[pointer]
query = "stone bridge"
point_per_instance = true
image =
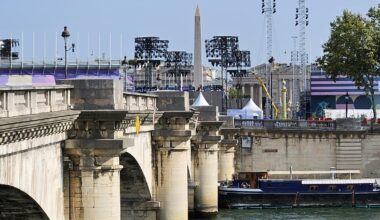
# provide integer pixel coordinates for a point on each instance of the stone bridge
(84, 150)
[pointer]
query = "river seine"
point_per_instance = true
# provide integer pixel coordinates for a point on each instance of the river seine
(301, 213)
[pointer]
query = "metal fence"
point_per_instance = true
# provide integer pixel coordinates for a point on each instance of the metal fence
(284, 124)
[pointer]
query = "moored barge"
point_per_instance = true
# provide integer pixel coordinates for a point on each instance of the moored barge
(261, 192)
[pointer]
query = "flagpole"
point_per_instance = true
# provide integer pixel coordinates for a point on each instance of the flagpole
(56, 50)
(33, 49)
(44, 47)
(22, 50)
(110, 49)
(77, 46)
(88, 46)
(121, 45)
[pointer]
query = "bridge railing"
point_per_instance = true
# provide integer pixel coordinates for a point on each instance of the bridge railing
(139, 101)
(15, 101)
(284, 124)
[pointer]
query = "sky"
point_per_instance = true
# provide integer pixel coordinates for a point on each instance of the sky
(108, 28)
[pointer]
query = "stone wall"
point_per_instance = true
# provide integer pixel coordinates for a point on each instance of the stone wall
(371, 156)
(172, 100)
(35, 167)
(139, 102)
(278, 150)
(92, 94)
(207, 113)
(213, 98)
(278, 153)
(26, 100)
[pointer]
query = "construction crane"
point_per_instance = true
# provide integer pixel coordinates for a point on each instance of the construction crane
(262, 83)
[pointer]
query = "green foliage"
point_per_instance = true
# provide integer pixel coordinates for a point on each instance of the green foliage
(353, 49)
(313, 114)
(132, 62)
(232, 93)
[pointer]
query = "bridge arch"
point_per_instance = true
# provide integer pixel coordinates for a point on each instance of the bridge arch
(133, 184)
(134, 189)
(16, 204)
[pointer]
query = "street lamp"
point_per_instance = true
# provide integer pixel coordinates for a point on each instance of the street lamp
(269, 102)
(124, 64)
(66, 35)
(346, 98)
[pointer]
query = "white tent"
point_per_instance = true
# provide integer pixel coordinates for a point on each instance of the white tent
(252, 106)
(200, 101)
(249, 111)
(252, 110)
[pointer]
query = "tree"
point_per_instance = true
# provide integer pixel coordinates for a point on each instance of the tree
(353, 50)
(233, 93)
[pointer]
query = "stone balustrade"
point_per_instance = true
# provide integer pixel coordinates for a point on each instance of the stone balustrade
(139, 102)
(285, 124)
(25, 100)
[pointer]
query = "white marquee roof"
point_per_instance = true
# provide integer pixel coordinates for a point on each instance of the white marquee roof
(200, 101)
(251, 106)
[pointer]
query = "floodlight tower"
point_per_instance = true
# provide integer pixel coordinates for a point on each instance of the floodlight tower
(219, 50)
(268, 7)
(302, 21)
(294, 60)
(240, 59)
(180, 61)
(149, 51)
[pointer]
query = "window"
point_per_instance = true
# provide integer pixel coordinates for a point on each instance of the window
(270, 151)
(246, 142)
(313, 188)
(350, 187)
(332, 188)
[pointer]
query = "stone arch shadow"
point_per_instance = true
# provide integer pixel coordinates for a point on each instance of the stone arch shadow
(134, 190)
(16, 204)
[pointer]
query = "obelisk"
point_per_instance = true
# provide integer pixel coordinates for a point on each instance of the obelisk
(198, 76)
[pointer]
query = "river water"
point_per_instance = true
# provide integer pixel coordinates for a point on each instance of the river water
(301, 213)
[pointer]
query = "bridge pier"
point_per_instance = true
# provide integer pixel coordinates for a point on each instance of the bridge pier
(227, 148)
(226, 159)
(205, 162)
(205, 168)
(93, 190)
(172, 142)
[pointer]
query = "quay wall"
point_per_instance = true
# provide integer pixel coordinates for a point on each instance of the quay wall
(278, 153)
(371, 155)
(304, 151)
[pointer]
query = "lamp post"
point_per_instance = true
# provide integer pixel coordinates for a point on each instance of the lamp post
(66, 35)
(269, 102)
(346, 98)
(124, 64)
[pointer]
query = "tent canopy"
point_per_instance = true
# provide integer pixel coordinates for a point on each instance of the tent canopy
(251, 106)
(200, 101)
(249, 111)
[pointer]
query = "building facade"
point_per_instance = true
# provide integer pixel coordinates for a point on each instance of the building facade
(329, 94)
